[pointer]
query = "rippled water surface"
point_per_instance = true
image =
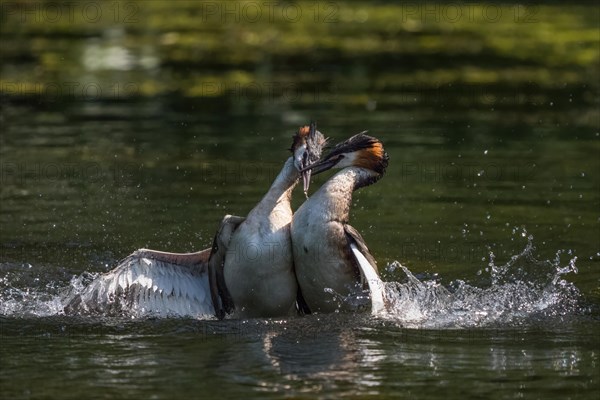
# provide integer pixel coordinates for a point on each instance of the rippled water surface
(486, 226)
(335, 356)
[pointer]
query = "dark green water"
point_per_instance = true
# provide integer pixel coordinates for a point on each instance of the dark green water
(493, 135)
(328, 357)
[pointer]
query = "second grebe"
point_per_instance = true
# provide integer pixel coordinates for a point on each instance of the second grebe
(333, 265)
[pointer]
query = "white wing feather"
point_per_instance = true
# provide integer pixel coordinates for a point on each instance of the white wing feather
(376, 285)
(145, 287)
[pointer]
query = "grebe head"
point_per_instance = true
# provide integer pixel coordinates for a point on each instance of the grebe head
(306, 148)
(360, 150)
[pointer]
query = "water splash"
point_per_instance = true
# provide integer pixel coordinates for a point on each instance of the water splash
(520, 291)
(29, 297)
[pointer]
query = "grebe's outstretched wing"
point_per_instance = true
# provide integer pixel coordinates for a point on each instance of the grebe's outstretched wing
(142, 285)
(156, 283)
(368, 268)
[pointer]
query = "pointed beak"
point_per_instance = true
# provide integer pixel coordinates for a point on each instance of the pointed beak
(306, 179)
(320, 166)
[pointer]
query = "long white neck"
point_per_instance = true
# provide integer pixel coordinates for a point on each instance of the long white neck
(279, 194)
(334, 199)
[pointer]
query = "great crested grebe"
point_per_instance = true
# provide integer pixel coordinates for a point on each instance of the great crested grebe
(259, 270)
(332, 261)
(249, 266)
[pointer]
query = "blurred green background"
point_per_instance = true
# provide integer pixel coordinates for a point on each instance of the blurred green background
(342, 54)
(130, 124)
